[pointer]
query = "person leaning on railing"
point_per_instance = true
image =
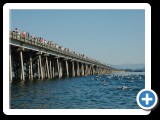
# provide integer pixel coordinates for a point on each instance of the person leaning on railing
(41, 41)
(32, 38)
(44, 41)
(49, 43)
(18, 35)
(15, 30)
(23, 34)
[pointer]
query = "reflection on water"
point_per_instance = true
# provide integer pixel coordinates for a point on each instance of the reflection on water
(110, 91)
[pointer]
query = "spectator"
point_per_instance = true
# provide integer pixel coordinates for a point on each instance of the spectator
(49, 42)
(41, 40)
(27, 34)
(16, 30)
(18, 34)
(32, 36)
(23, 34)
(45, 41)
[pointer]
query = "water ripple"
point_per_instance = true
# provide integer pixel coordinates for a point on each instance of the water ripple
(109, 91)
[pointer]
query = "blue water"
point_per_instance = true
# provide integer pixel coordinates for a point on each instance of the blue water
(110, 91)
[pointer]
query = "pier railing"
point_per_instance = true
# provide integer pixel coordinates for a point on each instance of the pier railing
(36, 41)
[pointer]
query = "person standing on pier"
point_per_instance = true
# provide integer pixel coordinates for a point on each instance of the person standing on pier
(23, 34)
(16, 30)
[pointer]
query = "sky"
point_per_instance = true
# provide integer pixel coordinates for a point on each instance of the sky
(111, 36)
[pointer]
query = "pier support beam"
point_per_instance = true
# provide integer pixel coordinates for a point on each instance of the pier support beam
(89, 70)
(78, 74)
(96, 70)
(92, 70)
(82, 70)
(44, 69)
(47, 68)
(58, 67)
(53, 69)
(105, 71)
(40, 64)
(73, 70)
(67, 73)
(86, 69)
(22, 67)
(10, 65)
(50, 66)
(100, 71)
(31, 69)
(38, 68)
(29, 72)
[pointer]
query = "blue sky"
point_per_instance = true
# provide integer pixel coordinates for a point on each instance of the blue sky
(111, 36)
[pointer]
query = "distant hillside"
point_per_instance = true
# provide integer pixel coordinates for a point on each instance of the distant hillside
(131, 67)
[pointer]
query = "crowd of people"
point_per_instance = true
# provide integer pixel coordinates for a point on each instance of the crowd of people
(51, 43)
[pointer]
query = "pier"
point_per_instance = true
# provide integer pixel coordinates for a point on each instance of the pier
(29, 58)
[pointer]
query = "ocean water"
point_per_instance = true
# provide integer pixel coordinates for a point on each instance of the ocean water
(108, 91)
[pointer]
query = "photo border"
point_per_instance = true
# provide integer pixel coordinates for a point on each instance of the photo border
(96, 6)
